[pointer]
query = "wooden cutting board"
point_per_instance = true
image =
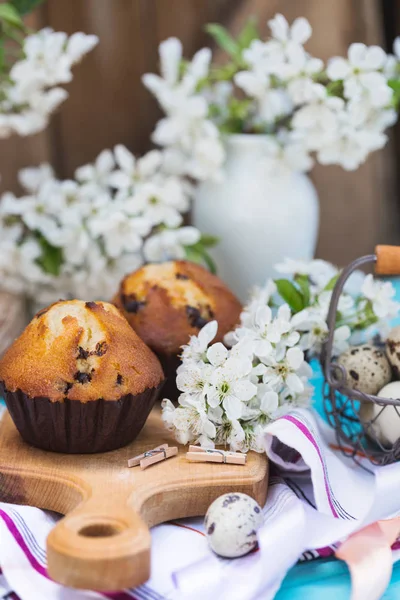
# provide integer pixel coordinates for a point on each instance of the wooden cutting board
(103, 542)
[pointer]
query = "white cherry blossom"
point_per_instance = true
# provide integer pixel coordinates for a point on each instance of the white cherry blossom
(119, 233)
(170, 244)
(96, 176)
(32, 178)
(196, 349)
(193, 379)
(228, 386)
(282, 158)
(285, 372)
(298, 33)
(131, 170)
(381, 294)
(319, 271)
(362, 74)
(30, 93)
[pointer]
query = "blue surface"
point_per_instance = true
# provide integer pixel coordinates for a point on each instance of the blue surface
(328, 579)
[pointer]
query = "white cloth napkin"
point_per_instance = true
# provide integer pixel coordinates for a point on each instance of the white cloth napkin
(316, 498)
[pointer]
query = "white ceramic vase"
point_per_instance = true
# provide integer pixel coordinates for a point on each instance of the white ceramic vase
(260, 219)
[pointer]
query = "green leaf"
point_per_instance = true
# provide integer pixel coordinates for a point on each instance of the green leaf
(52, 257)
(395, 85)
(238, 115)
(231, 126)
(239, 109)
(212, 267)
(304, 285)
(9, 14)
(224, 40)
(248, 34)
(331, 283)
(197, 254)
(209, 241)
(335, 88)
(224, 72)
(290, 294)
(23, 7)
(194, 254)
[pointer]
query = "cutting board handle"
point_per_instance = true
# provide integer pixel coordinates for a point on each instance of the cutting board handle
(93, 546)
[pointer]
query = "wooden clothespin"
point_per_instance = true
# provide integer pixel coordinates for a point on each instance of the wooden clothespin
(150, 457)
(198, 454)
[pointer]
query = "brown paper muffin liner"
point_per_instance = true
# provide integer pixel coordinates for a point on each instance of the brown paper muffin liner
(75, 427)
(169, 363)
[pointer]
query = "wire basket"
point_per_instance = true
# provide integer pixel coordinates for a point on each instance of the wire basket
(355, 437)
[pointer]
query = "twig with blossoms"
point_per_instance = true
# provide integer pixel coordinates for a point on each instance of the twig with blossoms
(335, 113)
(77, 238)
(32, 68)
(229, 393)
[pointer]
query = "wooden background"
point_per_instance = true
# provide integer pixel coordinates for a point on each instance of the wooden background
(109, 105)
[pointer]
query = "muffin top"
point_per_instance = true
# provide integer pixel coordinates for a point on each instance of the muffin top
(81, 351)
(167, 303)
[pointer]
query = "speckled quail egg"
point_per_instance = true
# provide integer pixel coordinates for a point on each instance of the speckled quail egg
(386, 420)
(393, 350)
(367, 368)
(231, 524)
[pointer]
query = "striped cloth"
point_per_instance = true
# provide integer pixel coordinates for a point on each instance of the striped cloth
(175, 547)
(316, 498)
(23, 532)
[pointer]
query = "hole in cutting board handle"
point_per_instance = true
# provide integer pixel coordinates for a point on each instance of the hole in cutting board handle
(99, 530)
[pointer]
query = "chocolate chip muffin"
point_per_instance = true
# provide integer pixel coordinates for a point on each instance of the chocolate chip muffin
(79, 379)
(167, 303)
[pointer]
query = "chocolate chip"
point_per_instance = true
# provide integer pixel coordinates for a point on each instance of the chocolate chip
(181, 276)
(211, 529)
(194, 317)
(82, 377)
(130, 303)
(101, 348)
(354, 375)
(119, 379)
(68, 386)
(90, 304)
(82, 353)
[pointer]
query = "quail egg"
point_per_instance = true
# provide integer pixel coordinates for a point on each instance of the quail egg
(231, 524)
(367, 368)
(393, 350)
(385, 424)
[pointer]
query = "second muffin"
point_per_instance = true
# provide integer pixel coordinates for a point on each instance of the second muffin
(167, 303)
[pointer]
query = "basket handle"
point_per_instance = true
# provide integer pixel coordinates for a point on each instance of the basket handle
(387, 260)
(327, 348)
